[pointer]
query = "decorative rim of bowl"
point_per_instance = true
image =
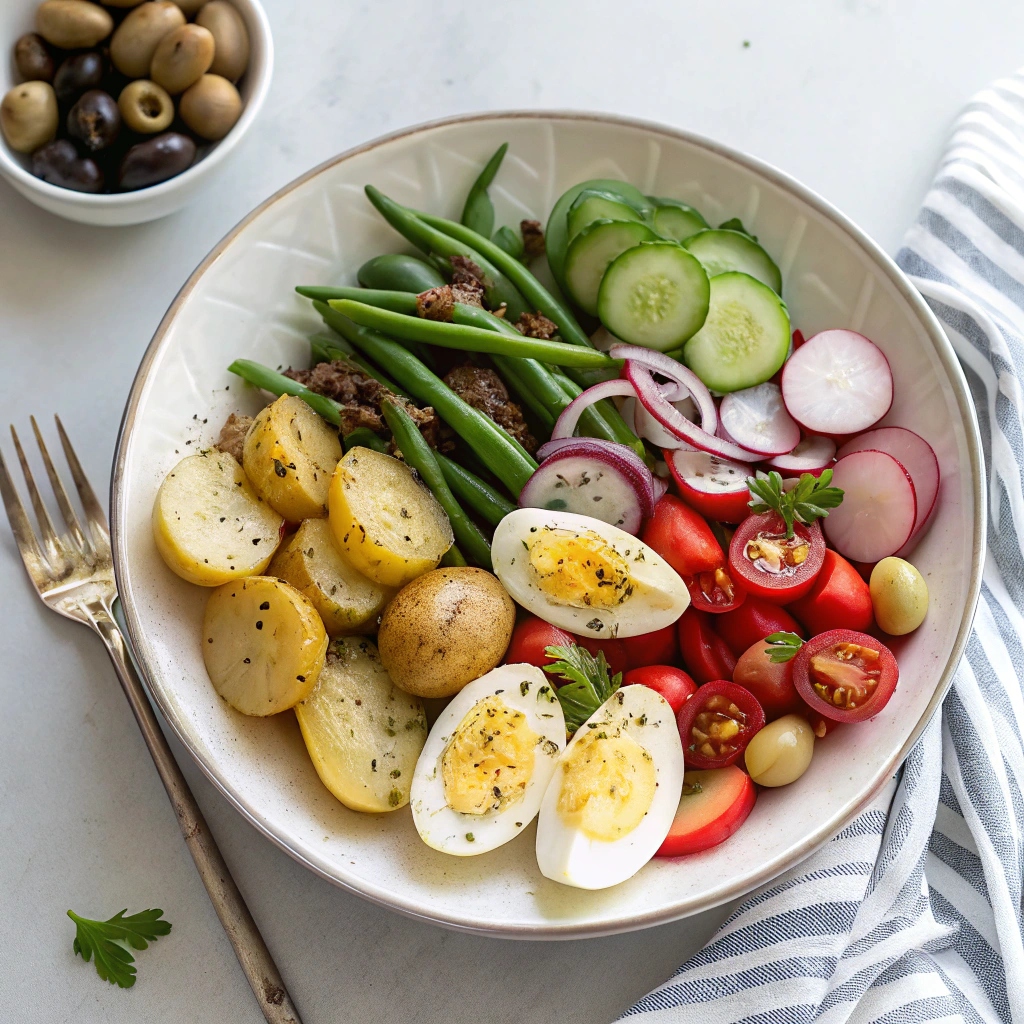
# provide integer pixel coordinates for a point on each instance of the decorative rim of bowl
(221, 149)
(826, 830)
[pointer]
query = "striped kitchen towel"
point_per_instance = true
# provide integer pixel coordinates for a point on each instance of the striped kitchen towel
(915, 915)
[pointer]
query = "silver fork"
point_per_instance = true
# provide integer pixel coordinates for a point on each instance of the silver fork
(74, 575)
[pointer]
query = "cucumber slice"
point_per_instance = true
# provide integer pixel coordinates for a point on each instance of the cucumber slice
(592, 250)
(675, 219)
(556, 235)
(722, 251)
(591, 205)
(655, 294)
(745, 338)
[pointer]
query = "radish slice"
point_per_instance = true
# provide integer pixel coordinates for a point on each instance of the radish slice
(879, 507)
(837, 383)
(715, 487)
(756, 419)
(588, 480)
(811, 455)
(918, 458)
(653, 400)
(569, 417)
(678, 374)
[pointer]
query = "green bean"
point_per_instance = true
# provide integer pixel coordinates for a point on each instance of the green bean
(499, 452)
(478, 213)
(505, 238)
(498, 288)
(479, 495)
(364, 437)
(398, 302)
(400, 272)
(453, 558)
(417, 453)
(470, 339)
(278, 384)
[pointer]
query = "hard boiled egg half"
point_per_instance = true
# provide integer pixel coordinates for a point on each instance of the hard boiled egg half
(614, 792)
(485, 766)
(584, 575)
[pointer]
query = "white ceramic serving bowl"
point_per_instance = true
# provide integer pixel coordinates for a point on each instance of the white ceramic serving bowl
(119, 208)
(318, 230)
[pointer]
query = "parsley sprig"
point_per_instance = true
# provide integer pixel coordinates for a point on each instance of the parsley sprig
(590, 683)
(108, 942)
(809, 500)
(783, 646)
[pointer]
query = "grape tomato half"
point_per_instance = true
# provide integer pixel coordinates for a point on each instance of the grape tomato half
(767, 564)
(716, 724)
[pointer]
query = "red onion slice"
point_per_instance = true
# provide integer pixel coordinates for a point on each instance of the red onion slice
(651, 398)
(569, 418)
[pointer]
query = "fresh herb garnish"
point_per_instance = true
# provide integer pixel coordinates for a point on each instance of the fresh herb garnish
(809, 500)
(108, 941)
(784, 646)
(590, 683)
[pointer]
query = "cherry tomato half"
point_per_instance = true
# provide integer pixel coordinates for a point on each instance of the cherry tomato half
(712, 807)
(714, 591)
(771, 682)
(658, 648)
(704, 653)
(683, 538)
(529, 639)
(767, 565)
(838, 598)
(672, 683)
(614, 651)
(845, 675)
(717, 723)
(752, 621)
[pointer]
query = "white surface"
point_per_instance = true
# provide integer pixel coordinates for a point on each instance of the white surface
(320, 231)
(169, 196)
(852, 97)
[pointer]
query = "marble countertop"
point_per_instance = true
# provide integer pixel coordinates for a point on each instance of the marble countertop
(854, 97)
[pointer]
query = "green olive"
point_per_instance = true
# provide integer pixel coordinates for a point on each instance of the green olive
(231, 36)
(210, 107)
(899, 596)
(780, 753)
(28, 116)
(181, 58)
(73, 24)
(138, 36)
(145, 107)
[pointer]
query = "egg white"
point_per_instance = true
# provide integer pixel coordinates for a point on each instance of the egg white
(524, 688)
(564, 853)
(659, 596)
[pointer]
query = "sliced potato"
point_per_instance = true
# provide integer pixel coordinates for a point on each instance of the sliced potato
(263, 644)
(209, 525)
(347, 601)
(390, 527)
(289, 455)
(362, 732)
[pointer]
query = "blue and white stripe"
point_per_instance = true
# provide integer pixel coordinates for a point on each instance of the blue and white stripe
(916, 915)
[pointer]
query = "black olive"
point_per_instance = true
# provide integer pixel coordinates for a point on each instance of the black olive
(156, 160)
(77, 74)
(94, 120)
(58, 163)
(32, 59)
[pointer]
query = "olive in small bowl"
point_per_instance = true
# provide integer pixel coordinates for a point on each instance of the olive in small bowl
(94, 120)
(28, 116)
(210, 107)
(77, 74)
(32, 59)
(155, 160)
(58, 163)
(145, 107)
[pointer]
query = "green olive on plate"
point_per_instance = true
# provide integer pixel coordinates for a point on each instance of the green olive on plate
(210, 107)
(28, 116)
(780, 752)
(899, 596)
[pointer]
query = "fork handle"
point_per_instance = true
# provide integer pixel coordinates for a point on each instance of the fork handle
(253, 956)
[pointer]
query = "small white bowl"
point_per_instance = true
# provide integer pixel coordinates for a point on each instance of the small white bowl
(117, 208)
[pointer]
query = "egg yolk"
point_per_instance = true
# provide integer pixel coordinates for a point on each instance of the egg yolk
(579, 569)
(608, 785)
(489, 759)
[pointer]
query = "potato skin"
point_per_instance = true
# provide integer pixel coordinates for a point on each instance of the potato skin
(445, 629)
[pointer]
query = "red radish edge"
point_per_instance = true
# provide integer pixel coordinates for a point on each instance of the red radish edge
(811, 455)
(837, 383)
(879, 508)
(756, 419)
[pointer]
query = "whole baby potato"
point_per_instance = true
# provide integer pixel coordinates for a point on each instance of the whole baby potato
(181, 58)
(138, 36)
(73, 24)
(210, 107)
(145, 107)
(32, 59)
(899, 596)
(28, 116)
(445, 629)
(231, 37)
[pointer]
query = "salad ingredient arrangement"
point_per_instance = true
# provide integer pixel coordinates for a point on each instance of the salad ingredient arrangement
(647, 568)
(120, 97)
